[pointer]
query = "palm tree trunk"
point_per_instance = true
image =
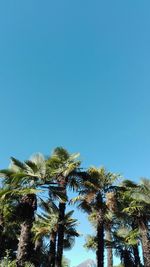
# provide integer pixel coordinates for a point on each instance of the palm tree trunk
(100, 232)
(145, 239)
(137, 260)
(62, 208)
(109, 247)
(52, 251)
(24, 243)
(100, 245)
(27, 208)
(37, 252)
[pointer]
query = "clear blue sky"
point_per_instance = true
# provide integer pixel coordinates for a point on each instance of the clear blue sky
(77, 74)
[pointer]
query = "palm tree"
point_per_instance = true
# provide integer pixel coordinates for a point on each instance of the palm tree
(70, 232)
(29, 177)
(66, 171)
(92, 241)
(8, 227)
(139, 209)
(92, 199)
(47, 225)
(111, 204)
(124, 241)
(123, 220)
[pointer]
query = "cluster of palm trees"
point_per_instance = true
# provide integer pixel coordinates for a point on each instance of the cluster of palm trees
(35, 226)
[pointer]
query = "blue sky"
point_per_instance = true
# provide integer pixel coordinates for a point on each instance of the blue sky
(76, 74)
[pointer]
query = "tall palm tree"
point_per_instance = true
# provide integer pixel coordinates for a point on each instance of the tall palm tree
(92, 198)
(29, 177)
(92, 241)
(65, 168)
(139, 209)
(124, 219)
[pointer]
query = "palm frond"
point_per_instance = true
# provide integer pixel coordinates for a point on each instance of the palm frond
(6, 173)
(20, 165)
(49, 206)
(61, 153)
(32, 165)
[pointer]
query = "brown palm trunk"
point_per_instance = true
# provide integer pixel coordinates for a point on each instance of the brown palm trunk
(145, 239)
(24, 243)
(100, 245)
(62, 208)
(37, 252)
(52, 251)
(100, 232)
(27, 208)
(109, 247)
